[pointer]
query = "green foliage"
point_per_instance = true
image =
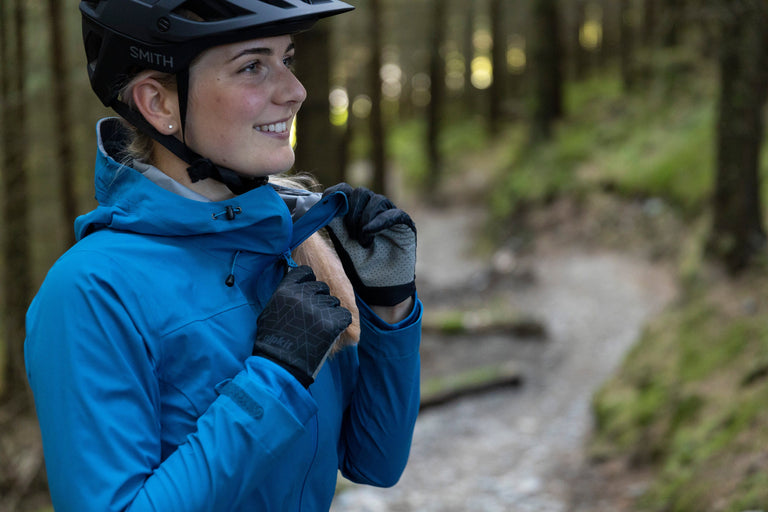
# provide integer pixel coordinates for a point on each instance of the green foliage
(452, 322)
(689, 401)
(640, 145)
(407, 147)
(669, 157)
(752, 492)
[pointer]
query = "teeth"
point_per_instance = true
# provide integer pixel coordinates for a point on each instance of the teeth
(275, 127)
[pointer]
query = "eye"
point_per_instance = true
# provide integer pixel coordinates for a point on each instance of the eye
(252, 67)
(289, 61)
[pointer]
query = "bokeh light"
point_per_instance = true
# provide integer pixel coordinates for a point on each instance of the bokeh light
(362, 106)
(339, 103)
(482, 72)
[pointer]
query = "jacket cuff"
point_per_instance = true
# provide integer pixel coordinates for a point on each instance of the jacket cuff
(366, 313)
(266, 389)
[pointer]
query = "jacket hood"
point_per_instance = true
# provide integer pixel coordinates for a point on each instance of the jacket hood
(128, 201)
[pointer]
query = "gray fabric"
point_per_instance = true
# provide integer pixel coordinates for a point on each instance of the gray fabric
(298, 201)
(389, 261)
(161, 179)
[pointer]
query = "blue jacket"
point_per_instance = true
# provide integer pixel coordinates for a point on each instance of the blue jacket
(139, 358)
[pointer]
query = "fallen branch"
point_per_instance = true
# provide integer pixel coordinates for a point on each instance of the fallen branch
(442, 390)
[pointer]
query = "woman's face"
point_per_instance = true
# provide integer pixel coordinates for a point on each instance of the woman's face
(243, 98)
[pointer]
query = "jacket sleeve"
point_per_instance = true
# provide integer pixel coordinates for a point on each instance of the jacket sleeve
(97, 399)
(379, 423)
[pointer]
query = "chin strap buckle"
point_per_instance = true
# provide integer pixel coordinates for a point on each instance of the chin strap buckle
(203, 168)
(200, 169)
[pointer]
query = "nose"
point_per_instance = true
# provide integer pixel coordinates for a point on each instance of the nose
(290, 90)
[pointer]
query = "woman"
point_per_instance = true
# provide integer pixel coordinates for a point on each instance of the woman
(179, 357)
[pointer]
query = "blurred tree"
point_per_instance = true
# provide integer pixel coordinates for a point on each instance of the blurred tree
(376, 120)
(546, 63)
(627, 44)
(317, 139)
(468, 45)
(437, 92)
(603, 29)
(649, 22)
(62, 95)
(5, 112)
(671, 22)
(578, 55)
(499, 66)
(737, 229)
(16, 245)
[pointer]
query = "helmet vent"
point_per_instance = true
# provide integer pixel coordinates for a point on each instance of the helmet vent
(279, 3)
(206, 10)
(92, 43)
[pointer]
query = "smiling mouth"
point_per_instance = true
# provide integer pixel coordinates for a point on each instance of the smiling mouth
(273, 128)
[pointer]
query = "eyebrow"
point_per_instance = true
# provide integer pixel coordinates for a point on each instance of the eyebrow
(260, 51)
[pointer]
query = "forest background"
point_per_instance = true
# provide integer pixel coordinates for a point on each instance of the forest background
(659, 101)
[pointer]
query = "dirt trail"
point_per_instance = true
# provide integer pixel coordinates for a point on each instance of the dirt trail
(518, 449)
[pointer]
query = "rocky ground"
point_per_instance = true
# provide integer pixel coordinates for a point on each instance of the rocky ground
(522, 449)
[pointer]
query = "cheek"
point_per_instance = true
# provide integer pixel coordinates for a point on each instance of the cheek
(252, 103)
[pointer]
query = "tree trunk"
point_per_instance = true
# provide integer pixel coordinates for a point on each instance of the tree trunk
(580, 58)
(5, 115)
(547, 75)
(62, 95)
(16, 266)
(437, 101)
(649, 23)
(672, 22)
(499, 64)
(317, 138)
(737, 231)
(470, 94)
(627, 45)
(376, 120)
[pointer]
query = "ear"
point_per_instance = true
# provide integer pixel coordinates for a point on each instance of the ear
(158, 104)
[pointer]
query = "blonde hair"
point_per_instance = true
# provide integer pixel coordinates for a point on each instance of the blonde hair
(316, 252)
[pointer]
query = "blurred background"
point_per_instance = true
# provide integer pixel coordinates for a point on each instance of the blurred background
(586, 178)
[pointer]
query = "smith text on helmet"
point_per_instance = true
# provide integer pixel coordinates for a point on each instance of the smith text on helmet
(152, 58)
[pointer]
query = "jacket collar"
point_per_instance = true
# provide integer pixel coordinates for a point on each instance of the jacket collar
(128, 201)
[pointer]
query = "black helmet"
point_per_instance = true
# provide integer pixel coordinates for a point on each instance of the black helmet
(123, 37)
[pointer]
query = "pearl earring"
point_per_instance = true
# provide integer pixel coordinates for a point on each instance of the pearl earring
(170, 127)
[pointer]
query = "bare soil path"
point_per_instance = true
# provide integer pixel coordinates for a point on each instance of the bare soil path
(520, 449)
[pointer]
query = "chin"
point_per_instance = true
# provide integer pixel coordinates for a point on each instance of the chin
(265, 168)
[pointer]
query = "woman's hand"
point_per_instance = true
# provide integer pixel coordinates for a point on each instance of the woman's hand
(299, 324)
(396, 313)
(376, 243)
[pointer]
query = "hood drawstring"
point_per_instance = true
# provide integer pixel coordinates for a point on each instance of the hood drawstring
(229, 213)
(230, 280)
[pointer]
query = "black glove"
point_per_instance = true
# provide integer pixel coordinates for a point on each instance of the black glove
(299, 324)
(376, 243)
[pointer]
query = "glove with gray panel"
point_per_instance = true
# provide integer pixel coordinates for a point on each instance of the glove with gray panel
(376, 242)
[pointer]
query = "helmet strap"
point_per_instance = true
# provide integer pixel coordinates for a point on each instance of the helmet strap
(199, 168)
(182, 90)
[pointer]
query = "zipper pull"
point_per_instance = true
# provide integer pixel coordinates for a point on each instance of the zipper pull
(289, 259)
(230, 280)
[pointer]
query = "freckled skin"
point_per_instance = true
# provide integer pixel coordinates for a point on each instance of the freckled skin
(231, 94)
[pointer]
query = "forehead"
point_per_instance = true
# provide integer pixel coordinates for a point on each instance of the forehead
(277, 45)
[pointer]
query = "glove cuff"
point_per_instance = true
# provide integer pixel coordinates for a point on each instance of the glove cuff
(301, 376)
(386, 296)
